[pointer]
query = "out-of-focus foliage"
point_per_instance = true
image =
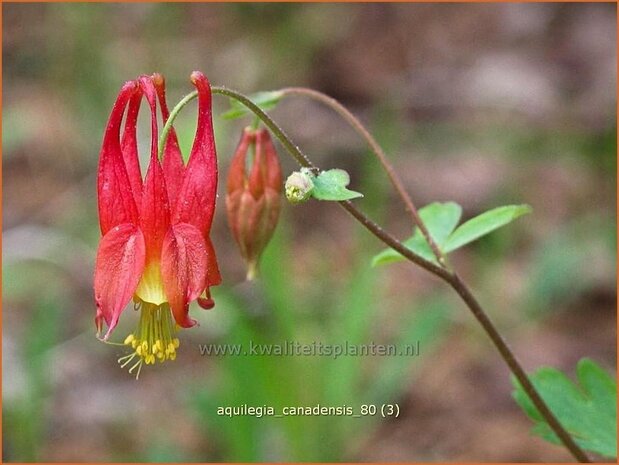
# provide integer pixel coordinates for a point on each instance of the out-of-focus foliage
(266, 100)
(486, 105)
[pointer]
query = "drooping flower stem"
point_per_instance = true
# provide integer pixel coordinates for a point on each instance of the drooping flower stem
(354, 122)
(173, 114)
(449, 276)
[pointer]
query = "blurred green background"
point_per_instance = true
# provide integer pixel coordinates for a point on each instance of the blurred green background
(481, 104)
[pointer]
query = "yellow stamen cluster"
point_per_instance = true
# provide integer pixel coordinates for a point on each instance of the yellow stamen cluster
(154, 339)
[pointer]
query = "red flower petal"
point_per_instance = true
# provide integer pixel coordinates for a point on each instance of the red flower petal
(155, 211)
(237, 180)
(129, 145)
(213, 277)
(183, 269)
(266, 170)
(173, 166)
(257, 175)
(115, 195)
(273, 168)
(120, 263)
(196, 198)
(206, 302)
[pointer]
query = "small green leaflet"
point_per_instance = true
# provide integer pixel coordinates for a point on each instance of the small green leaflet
(483, 224)
(265, 100)
(441, 220)
(588, 411)
(331, 185)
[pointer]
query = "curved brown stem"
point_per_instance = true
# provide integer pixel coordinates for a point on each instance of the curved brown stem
(510, 359)
(354, 122)
(450, 277)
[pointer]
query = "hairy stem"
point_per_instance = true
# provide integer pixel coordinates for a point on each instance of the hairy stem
(450, 277)
(356, 124)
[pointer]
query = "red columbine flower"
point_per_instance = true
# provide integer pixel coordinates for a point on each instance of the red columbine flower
(155, 246)
(253, 200)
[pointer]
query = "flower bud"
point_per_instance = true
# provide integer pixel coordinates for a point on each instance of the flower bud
(299, 186)
(253, 195)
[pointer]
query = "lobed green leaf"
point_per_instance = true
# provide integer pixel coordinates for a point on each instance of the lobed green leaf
(588, 411)
(441, 220)
(331, 185)
(483, 224)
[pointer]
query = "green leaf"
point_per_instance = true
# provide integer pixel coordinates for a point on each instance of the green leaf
(440, 220)
(588, 411)
(483, 224)
(331, 185)
(265, 100)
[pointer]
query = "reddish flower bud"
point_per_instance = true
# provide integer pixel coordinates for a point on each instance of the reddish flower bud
(253, 195)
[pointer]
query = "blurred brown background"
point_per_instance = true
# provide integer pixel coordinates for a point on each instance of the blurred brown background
(482, 104)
